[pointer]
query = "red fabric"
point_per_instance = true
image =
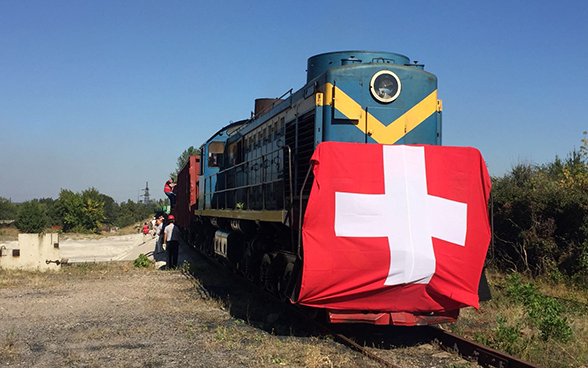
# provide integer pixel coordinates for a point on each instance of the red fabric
(342, 272)
(145, 229)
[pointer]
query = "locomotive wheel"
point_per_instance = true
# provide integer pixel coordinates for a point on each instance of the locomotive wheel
(265, 272)
(272, 271)
(252, 263)
(284, 280)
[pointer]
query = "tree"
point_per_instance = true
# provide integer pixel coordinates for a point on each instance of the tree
(182, 159)
(110, 209)
(92, 210)
(81, 212)
(52, 212)
(69, 206)
(32, 217)
(7, 209)
(131, 212)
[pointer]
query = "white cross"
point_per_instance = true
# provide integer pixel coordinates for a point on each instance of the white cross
(406, 214)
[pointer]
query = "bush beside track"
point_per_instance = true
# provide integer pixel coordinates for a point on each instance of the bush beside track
(541, 219)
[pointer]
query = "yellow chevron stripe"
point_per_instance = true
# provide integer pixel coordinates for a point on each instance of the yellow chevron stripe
(384, 134)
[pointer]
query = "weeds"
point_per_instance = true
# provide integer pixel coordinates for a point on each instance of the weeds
(508, 338)
(190, 333)
(277, 360)
(221, 333)
(142, 261)
(523, 321)
(185, 267)
(540, 312)
(8, 351)
(544, 312)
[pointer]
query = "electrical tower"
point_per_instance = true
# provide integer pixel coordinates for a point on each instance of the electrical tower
(145, 194)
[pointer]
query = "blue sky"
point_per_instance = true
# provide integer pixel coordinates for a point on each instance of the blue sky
(108, 94)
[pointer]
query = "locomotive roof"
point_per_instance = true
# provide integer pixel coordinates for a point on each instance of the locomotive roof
(231, 128)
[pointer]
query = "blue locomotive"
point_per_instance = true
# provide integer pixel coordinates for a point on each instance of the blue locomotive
(255, 175)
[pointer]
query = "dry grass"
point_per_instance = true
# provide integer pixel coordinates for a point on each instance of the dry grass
(8, 350)
(19, 278)
(36, 280)
(8, 234)
(268, 349)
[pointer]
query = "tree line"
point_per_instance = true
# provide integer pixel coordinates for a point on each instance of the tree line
(541, 218)
(88, 211)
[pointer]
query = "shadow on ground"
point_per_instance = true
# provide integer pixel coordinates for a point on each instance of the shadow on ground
(251, 304)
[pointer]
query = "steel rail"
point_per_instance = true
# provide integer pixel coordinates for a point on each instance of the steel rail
(483, 355)
(348, 342)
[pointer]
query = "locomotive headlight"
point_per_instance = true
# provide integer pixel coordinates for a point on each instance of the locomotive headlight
(385, 86)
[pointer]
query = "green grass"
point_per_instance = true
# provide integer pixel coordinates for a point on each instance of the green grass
(528, 319)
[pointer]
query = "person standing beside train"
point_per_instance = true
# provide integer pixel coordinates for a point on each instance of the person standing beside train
(171, 238)
(168, 189)
(158, 235)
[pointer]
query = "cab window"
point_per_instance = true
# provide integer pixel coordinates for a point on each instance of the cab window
(215, 154)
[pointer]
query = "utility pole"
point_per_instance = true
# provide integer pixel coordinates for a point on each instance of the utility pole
(146, 198)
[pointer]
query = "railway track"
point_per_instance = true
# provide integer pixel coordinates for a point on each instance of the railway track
(454, 344)
(483, 355)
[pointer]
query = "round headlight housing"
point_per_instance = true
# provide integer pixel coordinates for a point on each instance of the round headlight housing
(385, 86)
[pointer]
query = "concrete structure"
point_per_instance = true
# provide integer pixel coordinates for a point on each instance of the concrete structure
(35, 252)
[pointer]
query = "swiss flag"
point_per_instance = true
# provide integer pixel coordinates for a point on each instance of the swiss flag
(395, 228)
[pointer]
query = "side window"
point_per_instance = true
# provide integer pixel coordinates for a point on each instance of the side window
(215, 154)
(214, 159)
(201, 161)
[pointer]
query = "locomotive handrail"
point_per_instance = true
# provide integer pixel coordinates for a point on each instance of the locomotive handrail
(300, 214)
(277, 100)
(245, 186)
(244, 167)
(247, 162)
(290, 207)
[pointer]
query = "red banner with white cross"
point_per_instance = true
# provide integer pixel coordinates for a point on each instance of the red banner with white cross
(395, 228)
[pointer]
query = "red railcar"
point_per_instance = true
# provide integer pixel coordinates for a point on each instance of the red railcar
(187, 192)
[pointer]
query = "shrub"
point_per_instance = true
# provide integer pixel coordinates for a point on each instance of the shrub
(142, 261)
(508, 338)
(541, 218)
(31, 217)
(543, 312)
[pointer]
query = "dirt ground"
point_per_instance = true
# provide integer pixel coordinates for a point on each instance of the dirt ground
(116, 315)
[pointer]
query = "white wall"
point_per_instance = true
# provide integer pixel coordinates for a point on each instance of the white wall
(35, 251)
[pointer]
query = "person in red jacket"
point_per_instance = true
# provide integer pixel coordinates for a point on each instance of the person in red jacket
(145, 231)
(168, 189)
